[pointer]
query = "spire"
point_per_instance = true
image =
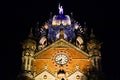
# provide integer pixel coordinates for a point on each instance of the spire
(30, 34)
(71, 14)
(37, 23)
(50, 14)
(84, 23)
(61, 34)
(91, 34)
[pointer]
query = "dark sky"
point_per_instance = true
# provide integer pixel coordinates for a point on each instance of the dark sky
(19, 16)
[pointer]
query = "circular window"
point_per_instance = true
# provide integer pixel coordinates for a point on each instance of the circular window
(78, 77)
(45, 76)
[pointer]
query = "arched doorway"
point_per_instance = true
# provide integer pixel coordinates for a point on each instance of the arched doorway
(61, 75)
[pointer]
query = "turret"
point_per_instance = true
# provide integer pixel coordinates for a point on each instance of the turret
(93, 48)
(29, 47)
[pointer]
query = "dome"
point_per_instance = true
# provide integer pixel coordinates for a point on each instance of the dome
(61, 19)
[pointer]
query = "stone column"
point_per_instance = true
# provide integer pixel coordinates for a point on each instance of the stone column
(26, 62)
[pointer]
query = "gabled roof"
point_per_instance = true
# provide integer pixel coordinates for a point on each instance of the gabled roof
(77, 70)
(45, 71)
(61, 43)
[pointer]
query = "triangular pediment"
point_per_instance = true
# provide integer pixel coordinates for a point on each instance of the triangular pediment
(45, 75)
(77, 75)
(61, 43)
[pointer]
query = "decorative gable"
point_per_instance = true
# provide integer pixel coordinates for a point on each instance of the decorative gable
(77, 75)
(45, 75)
(61, 45)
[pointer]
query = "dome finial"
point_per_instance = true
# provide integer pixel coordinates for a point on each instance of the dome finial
(60, 9)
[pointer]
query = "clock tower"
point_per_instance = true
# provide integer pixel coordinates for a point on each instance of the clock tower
(61, 50)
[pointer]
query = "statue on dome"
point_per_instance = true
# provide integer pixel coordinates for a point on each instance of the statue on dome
(60, 9)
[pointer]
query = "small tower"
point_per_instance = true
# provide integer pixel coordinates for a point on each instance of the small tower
(93, 47)
(29, 47)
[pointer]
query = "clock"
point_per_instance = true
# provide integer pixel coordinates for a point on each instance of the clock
(61, 59)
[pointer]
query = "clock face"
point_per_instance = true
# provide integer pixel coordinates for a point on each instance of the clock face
(61, 59)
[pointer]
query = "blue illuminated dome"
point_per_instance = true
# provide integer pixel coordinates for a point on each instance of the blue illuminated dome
(50, 31)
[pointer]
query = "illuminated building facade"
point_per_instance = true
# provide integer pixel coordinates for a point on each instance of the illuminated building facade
(61, 50)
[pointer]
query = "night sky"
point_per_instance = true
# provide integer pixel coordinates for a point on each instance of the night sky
(19, 16)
